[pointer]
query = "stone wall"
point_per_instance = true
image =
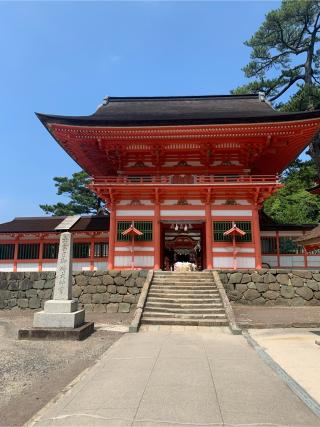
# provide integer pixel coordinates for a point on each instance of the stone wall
(272, 287)
(100, 291)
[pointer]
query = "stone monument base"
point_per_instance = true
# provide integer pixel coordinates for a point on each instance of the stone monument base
(80, 333)
(59, 314)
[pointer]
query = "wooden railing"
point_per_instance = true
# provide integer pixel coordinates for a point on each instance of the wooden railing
(185, 179)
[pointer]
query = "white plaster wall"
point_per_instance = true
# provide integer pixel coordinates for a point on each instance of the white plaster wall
(184, 213)
(135, 212)
(81, 266)
(30, 266)
(136, 248)
(270, 259)
(241, 202)
(314, 261)
(6, 267)
(100, 265)
(229, 249)
(49, 266)
(140, 261)
(231, 212)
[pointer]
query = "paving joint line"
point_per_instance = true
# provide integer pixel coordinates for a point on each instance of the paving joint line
(147, 382)
(295, 387)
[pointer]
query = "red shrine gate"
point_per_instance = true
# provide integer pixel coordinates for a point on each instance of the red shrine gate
(199, 163)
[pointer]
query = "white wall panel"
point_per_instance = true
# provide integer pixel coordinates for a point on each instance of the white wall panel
(184, 213)
(290, 233)
(285, 261)
(314, 261)
(241, 202)
(128, 202)
(122, 261)
(246, 262)
(81, 266)
(231, 212)
(135, 212)
(136, 248)
(6, 267)
(49, 266)
(222, 262)
(100, 265)
(228, 249)
(144, 261)
(30, 266)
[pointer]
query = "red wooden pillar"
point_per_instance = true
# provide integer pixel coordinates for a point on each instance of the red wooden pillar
(157, 237)
(15, 256)
(256, 237)
(40, 254)
(112, 236)
(91, 253)
(208, 236)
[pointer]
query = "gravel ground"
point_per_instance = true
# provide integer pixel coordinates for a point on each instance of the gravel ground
(33, 372)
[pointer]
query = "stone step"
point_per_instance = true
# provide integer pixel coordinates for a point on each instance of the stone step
(198, 316)
(174, 295)
(183, 286)
(184, 300)
(187, 306)
(187, 279)
(170, 289)
(211, 310)
(184, 322)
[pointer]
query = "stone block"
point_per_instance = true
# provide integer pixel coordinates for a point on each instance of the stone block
(130, 282)
(297, 282)
(81, 280)
(99, 308)
(269, 278)
(246, 278)
(107, 280)
(235, 295)
(287, 291)
(12, 302)
(283, 301)
(122, 290)
(105, 298)
(95, 281)
(223, 278)
(4, 294)
(270, 303)
(126, 273)
(251, 294)
(251, 285)
(262, 287)
(60, 306)
(119, 280)
(316, 276)
(241, 287)
(114, 273)
(3, 284)
(101, 289)
(88, 307)
(134, 290)
(271, 295)
(49, 284)
(99, 273)
(305, 292)
(85, 298)
(25, 284)
(60, 320)
(116, 298)
(256, 278)
(235, 278)
(76, 291)
(135, 274)
(88, 273)
(39, 284)
(90, 289)
(13, 285)
(259, 301)
(312, 284)
(124, 307)
(21, 294)
(313, 302)
(131, 299)
(112, 308)
(140, 282)
(298, 301)
(97, 298)
(34, 302)
(283, 279)
(303, 273)
(317, 295)
(30, 293)
(112, 289)
(143, 273)
(274, 286)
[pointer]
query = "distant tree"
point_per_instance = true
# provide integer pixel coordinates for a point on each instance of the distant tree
(285, 49)
(292, 204)
(82, 200)
(285, 54)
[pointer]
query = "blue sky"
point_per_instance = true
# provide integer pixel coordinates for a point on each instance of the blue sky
(64, 57)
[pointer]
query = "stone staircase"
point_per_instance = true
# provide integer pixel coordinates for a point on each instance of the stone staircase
(190, 298)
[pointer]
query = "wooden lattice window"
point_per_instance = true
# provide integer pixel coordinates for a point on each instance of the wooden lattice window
(144, 226)
(289, 246)
(50, 250)
(7, 251)
(28, 250)
(101, 249)
(219, 227)
(268, 245)
(81, 250)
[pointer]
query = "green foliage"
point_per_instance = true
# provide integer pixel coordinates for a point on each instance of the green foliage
(285, 49)
(82, 200)
(306, 98)
(292, 204)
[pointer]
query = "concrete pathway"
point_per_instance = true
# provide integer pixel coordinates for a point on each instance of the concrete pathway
(296, 352)
(173, 378)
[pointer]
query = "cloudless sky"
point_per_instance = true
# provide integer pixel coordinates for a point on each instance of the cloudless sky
(65, 57)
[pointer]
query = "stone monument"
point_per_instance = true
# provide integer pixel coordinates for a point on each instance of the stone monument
(61, 317)
(62, 311)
